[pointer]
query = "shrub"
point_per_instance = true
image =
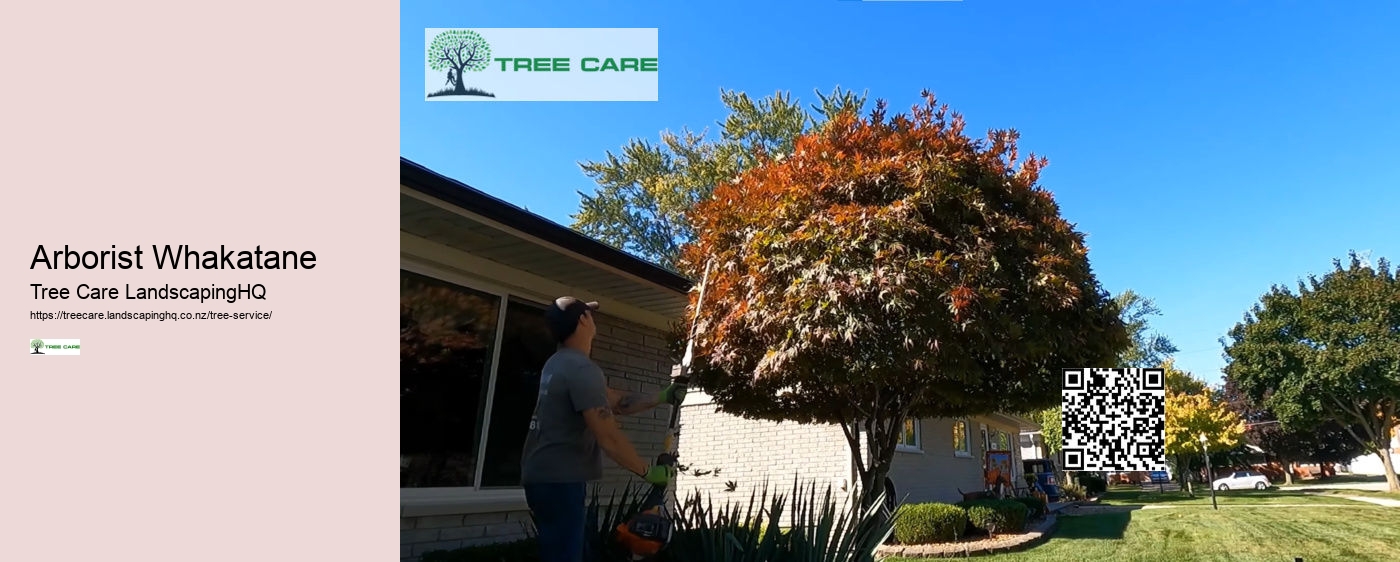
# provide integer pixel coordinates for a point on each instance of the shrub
(823, 527)
(1036, 507)
(1093, 485)
(526, 550)
(985, 518)
(929, 522)
(1072, 492)
(997, 516)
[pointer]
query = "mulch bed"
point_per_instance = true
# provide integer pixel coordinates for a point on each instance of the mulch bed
(1036, 533)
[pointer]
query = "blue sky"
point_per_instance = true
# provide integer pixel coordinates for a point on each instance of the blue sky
(1208, 149)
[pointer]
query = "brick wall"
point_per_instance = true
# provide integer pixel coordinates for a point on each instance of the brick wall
(749, 451)
(635, 359)
(446, 532)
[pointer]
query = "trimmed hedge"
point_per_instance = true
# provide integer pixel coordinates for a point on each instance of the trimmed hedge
(1035, 505)
(997, 516)
(928, 523)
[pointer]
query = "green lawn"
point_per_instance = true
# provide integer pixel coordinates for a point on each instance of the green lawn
(1341, 479)
(1361, 493)
(1244, 529)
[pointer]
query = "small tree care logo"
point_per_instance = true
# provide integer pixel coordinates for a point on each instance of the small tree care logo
(50, 346)
(459, 51)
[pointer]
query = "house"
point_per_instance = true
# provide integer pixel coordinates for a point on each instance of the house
(731, 457)
(1370, 463)
(475, 274)
(1033, 446)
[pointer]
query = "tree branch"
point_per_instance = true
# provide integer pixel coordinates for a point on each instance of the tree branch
(853, 439)
(1369, 445)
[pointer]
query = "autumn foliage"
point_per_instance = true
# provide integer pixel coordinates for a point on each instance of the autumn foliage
(889, 267)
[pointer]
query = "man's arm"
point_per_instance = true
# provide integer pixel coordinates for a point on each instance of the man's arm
(627, 403)
(613, 441)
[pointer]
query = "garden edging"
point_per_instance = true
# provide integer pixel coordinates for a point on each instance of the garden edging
(1036, 534)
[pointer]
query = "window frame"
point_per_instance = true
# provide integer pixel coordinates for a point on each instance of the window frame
(447, 276)
(918, 446)
(966, 450)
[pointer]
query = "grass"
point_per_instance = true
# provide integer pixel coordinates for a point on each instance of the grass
(1225, 498)
(469, 92)
(1243, 530)
(1360, 493)
(1340, 479)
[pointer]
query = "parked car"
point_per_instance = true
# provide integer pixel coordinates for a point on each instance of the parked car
(1044, 471)
(1242, 480)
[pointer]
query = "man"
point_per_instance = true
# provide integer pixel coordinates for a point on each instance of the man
(573, 426)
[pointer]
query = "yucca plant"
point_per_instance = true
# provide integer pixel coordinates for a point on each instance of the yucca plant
(823, 528)
(603, 518)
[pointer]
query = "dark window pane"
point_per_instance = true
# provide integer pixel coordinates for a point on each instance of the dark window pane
(525, 346)
(446, 334)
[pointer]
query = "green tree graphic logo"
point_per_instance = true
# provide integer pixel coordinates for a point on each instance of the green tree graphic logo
(36, 344)
(457, 51)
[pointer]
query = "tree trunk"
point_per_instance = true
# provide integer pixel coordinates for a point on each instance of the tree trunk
(1287, 472)
(461, 86)
(1389, 464)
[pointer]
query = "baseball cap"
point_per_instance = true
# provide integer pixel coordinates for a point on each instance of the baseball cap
(563, 316)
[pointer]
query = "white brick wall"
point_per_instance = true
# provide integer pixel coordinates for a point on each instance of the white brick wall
(750, 451)
(634, 358)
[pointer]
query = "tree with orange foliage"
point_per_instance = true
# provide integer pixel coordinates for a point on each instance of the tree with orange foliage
(889, 268)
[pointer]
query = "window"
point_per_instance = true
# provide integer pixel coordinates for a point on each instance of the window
(962, 445)
(909, 440)
(1026, 442)
(1003, 441)
(460, 426)
(525, 346)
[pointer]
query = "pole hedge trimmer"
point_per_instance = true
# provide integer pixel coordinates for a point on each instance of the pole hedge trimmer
(646, 533)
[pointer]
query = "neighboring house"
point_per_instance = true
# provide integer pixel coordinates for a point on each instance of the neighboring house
(1033, 445)
(936, 458)
(475, 276)
(1371, 463)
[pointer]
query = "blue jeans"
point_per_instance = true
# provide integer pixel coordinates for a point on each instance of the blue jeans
(559, 520)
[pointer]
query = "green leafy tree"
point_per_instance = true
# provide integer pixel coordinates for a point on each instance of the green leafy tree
(1149, 348)
(1051, 429)
(1182, 382)
(1321, 442)
(1192, 411)
(889, 268)
(1329, 351)
(36, 344)
(457, 51)
(644, 193)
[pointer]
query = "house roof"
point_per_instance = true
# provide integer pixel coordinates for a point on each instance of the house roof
(478, 234)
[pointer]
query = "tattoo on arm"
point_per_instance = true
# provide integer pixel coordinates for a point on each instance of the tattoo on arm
(634, 402)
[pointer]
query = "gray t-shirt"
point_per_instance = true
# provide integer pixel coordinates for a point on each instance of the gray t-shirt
(559, 446)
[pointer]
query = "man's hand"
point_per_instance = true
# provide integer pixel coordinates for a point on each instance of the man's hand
(673, 394)
(659, 475)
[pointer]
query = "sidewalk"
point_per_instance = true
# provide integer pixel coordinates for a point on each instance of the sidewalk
(1378, 501)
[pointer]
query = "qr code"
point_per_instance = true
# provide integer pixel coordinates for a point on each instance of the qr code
(1114, 419)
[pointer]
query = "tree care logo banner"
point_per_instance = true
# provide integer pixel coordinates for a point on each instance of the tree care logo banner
(541, 64)
(49, 346)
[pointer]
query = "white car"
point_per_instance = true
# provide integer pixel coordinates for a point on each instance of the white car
(1242, 480)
